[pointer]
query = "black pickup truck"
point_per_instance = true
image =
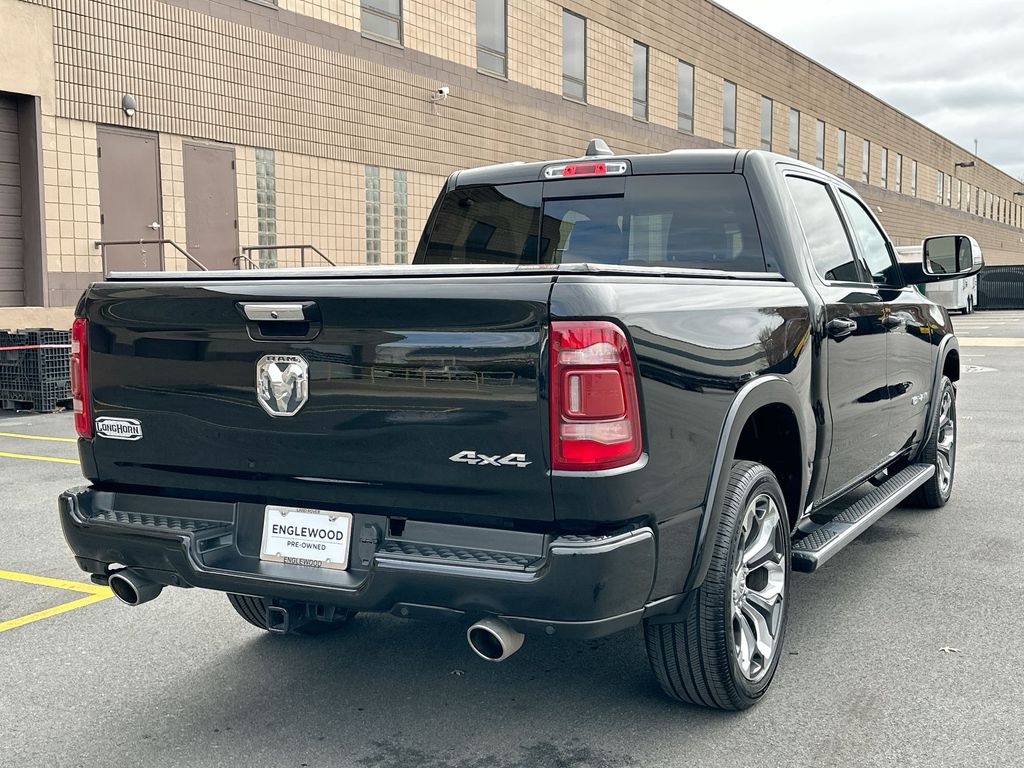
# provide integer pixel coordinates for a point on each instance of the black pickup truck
(610, 390)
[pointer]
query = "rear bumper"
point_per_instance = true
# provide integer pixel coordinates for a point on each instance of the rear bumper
(570, 586)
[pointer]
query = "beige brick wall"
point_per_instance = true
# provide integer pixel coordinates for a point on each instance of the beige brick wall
(172, 192)
(248, 213)
(609, 76)
(663, 92)
(71, 194)
(748, 118)
(442, 28)
(341, 13)
(707, 105)
(535, 44)
(320, 202)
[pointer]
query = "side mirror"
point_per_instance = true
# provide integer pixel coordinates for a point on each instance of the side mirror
(948, 257)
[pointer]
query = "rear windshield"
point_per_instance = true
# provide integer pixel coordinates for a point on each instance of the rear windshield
(697, 221)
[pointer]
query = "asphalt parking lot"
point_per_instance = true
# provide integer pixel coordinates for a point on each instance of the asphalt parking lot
(903, 650)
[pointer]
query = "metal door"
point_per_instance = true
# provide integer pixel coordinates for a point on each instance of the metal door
(129, 168)
(12, 255)
(211, 205)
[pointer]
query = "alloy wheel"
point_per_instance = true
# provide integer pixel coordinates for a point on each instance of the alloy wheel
(946, 441)
(758, 587)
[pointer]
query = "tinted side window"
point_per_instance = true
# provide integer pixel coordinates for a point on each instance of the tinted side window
(486, 225)
(873, 246)
(826, 237)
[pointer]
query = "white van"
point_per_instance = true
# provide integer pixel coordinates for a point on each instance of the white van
(960, 295)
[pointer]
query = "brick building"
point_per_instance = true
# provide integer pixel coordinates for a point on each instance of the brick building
(225, 125)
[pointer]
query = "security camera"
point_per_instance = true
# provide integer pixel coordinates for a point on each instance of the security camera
(441, 93)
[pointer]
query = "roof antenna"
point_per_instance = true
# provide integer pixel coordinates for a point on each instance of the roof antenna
(598, 148)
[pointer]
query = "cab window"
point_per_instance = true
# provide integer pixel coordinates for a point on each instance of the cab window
(831, 252)
(874, 248)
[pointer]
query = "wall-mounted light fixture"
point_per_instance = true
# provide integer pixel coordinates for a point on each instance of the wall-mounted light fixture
(968, 164)
(128, 105)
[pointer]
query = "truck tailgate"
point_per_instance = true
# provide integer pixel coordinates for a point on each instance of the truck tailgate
(423, 393)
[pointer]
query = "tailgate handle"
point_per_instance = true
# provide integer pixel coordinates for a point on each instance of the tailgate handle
(274, 321)
(272, 312)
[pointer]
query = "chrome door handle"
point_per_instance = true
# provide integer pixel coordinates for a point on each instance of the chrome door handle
(840, 327)
(154, 226)
(894, 321)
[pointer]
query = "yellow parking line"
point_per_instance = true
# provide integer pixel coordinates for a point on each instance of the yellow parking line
(46, 581)
(32, 457)
(55, 611)
(39, 437)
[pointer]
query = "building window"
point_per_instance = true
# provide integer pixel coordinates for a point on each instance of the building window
(382, 18)
(938, 188)
(899, 173)
(794, 133)
(967, 197)
(885, 168)
(266, 206)
(491, 38)
(685, 97)
(865, 162)
(729, 113)
(819, 143)
(949, 190)
(574, 56)
(913, 177)
(841, 153)
(639, 81)
(372, 214)
(766, 123)
(401, 217)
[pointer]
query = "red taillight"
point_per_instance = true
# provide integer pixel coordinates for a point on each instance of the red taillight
(80, 377)
(595, 413)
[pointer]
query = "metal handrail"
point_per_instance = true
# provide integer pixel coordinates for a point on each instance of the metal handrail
(301, 248)
(239, 259)
(102, 245)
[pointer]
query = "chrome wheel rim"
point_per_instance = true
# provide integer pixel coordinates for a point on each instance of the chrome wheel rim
(758, 587)
(945, 442)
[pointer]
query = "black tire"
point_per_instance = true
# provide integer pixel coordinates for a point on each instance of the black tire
(936, 492)
(254, 610)
(696, 659)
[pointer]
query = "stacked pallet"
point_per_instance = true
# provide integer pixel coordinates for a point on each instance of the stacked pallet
(34, 369)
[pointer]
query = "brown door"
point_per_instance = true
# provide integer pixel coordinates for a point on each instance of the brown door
(12, 258)
(211, 205)
(129, 165)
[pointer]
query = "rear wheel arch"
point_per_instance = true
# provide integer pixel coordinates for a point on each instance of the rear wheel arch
(771, 436)
(761, 402)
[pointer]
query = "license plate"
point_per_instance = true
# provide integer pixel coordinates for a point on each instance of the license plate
(315, 538)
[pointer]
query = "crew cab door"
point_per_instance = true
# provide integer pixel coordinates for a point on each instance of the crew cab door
(854, 345)
(909, 350)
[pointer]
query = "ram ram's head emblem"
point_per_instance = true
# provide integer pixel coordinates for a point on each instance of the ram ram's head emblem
(282, 384)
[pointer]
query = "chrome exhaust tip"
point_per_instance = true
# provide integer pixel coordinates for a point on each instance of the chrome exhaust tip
(493, 640)
(132, 588)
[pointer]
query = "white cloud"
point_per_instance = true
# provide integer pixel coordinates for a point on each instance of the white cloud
(957, 68)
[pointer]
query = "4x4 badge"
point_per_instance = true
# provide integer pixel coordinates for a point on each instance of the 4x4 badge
(482, 459)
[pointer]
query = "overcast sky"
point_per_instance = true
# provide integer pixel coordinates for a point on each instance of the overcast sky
(956, 67)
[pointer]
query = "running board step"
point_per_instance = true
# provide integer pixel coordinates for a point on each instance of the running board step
(822, 543)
